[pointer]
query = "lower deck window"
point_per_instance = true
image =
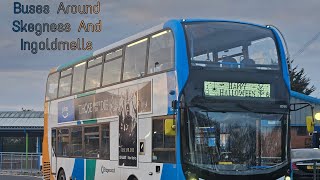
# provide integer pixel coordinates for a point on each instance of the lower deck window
(76, 141)
(88, 141)
(63, 142)
(163, 146)
(105, 142)
(91, 141)
(53, 139)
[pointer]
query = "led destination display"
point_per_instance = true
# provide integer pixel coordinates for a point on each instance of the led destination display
(233, 89)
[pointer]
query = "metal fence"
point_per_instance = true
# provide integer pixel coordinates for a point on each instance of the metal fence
(20, 162)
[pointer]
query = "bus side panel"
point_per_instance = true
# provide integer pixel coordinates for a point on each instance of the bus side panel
(68, 165)
(52, 122)
(46, 169)
(106, 169)
(145, 171)
(114, 140)
(145, 138)
(160, 95)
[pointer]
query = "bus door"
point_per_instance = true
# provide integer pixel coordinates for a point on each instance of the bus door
(53, 152)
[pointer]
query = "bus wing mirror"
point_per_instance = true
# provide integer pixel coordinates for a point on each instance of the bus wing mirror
(170, 127)
(174, 104)
(310, 124)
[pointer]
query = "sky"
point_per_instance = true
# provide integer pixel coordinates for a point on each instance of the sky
(23, 74)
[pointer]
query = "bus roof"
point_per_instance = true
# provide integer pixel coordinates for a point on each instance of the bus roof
(140, 35)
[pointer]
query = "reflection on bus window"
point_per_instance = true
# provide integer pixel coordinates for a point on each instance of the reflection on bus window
(63, 142)
(91, 141)
(105, 142)
(53, 139)
(93, 77)
(76, 141)
(65, 86)
(163, 146)
(161, 52)
(263, 52)
(239, 139)
(113, 54)
(135, 58)
(52, 86)
(78, 77)
(231, 45)
(66, 72)
(112, 71)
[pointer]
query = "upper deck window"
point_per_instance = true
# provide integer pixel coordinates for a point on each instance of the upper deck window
(135, 59)
(65, 83)
(66, 72)
(161, 52)
(78, 77)
(113, 54)
(93, 76)
(52, 86)
(231, 45)
(112, 67)
(112, 71)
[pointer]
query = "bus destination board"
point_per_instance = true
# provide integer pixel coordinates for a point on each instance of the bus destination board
(234, 89)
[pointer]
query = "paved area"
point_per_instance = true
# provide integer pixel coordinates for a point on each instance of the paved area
(10, 177)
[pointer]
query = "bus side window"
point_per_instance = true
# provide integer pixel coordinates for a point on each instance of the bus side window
(161, 52)
(93, 75)
(76, 142)
(135, 59)
(63, 142)
(65, 83)
(78, 77)
(91, 141)
(105, 142)
(53, 139)
(163, 146)
(112, 71)
(52, 86)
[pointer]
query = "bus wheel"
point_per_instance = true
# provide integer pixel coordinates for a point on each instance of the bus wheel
(132, 177)
(61, 175)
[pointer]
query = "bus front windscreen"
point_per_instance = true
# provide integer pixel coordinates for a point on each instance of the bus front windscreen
(234, 142)
(231, 45)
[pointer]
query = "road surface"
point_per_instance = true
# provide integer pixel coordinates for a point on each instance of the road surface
(9, 177)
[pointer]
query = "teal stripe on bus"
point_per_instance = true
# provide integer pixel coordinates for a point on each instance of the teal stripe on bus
(75, 61)
(86, 94)
(90, 169)
(90, 121)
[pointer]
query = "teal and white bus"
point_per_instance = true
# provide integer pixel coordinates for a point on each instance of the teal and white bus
(187, 99)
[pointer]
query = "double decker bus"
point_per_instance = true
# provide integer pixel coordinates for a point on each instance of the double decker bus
(187, 99)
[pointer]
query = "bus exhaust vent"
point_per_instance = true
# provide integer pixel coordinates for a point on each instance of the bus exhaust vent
(46, 170)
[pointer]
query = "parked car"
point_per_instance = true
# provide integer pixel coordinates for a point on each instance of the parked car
(303, 161)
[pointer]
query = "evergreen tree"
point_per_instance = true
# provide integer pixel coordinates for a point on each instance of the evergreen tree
(299, 81)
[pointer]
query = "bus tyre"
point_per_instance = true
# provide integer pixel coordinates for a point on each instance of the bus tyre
(132, 177)
(61, 175)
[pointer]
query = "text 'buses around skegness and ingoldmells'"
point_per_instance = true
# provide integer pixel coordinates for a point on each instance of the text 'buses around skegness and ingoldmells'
(80, 43)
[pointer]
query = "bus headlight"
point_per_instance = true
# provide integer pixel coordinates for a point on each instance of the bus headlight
(317, 116)
(287, 178)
